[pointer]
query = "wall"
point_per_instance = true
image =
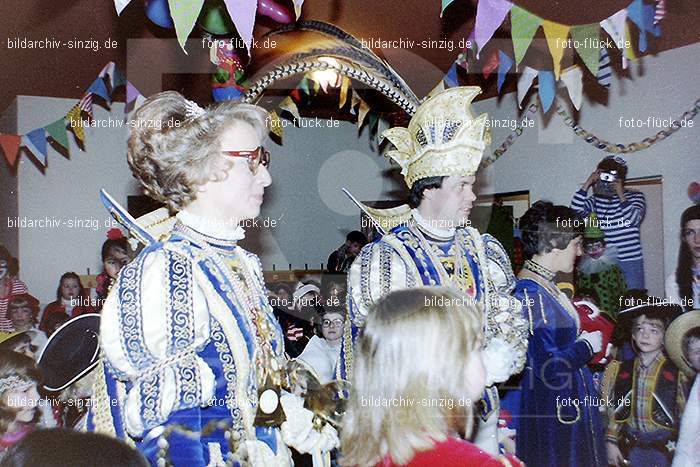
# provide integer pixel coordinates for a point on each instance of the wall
(8, 182)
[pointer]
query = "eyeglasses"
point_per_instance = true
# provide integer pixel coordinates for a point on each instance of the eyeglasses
(257, 156)
(335, 323)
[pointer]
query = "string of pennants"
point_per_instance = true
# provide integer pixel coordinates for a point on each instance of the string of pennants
(36, 142)
(584, 39)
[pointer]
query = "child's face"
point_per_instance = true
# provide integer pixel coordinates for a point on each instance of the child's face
(25, 401)
(116, 260)
(21, 316)
(648, 334)
(25, 348)
(4, 268)
(70, 288)
(694, 354)
(332, 327)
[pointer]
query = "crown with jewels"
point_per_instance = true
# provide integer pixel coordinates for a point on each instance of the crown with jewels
(443, 137)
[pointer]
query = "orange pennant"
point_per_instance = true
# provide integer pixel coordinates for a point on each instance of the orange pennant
(10, 144)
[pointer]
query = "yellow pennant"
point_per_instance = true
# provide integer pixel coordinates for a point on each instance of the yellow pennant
(556, 35)
(344, 91)
(276, 124)
(76, 123)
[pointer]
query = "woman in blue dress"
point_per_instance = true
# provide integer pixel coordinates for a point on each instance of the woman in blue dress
(559, 421)
(193, 357)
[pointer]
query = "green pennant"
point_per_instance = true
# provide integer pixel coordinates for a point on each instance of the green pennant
(184, 14)
(57, 131)
(586, 42)
(523, 27)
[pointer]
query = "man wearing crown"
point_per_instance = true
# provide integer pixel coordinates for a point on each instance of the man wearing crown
(430, 243)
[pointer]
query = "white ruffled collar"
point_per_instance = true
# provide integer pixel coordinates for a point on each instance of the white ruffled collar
(211, 228)
(431, 228)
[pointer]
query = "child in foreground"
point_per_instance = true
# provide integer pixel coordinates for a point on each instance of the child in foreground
(417, 376)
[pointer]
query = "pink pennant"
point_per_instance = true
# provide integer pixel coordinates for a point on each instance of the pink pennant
(489, 16)
(242, 13)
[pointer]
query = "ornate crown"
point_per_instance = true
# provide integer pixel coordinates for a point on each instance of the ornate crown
(443, 137)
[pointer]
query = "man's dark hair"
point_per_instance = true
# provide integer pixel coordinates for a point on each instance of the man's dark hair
(356, 237)
(608, 164)
(416, 195)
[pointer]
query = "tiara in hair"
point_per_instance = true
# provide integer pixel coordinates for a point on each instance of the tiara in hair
(192, 110)
(16, 382)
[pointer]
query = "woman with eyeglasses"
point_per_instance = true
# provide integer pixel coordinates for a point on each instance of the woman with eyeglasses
(321, 353)
(191, 349)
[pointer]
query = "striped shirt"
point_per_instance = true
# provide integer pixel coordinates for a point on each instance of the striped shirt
(13, 286)
(619, 221)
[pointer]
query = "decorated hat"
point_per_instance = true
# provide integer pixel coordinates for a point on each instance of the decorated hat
(637, 303)
(443, 137)
(8, 338)
(71, 352)
(674, 339)
(593, 231)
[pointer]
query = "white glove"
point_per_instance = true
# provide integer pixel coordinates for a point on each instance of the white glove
(499, 360)
(298, 431)
(594, 339)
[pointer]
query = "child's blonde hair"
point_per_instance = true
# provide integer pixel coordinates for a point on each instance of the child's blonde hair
(413, 348)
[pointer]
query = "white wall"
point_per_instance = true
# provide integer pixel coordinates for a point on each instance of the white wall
(8, 184)
(552, 162)
(68, 193)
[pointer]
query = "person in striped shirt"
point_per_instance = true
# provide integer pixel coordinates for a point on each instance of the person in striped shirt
(9, 286)
(619, 212)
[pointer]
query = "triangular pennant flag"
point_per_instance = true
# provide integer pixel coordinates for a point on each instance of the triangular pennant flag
(362, 112)
(489, 16)
(184, 14)
(98, 87)
(615, 27)
(76, 123)
(57, 131)
(445, 4)
(491, 64)
(120, 5)
(289, 105)
(604, 75)
(586, 39)
(556, 35)
(107, 70)
(297, 7)
(523, 27)
(276, 124)
(573, 80)
(643, 16)
(345, 84)
(10, 144)
(628, 53)
(451, 78)
(35, 142)
(504, 65)
(117, 79)
(85, 104)
(242, 13)
(316, 86)
(547, 88)
(323, 84)
(524, 83)
(304, 86)
(131, 92)
(660, 11)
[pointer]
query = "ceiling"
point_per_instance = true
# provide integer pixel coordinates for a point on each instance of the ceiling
(153, 61)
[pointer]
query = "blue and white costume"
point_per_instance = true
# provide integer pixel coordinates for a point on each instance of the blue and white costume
(187, 340)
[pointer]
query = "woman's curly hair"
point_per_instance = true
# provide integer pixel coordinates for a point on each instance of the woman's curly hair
(173, 154)
(546, 226)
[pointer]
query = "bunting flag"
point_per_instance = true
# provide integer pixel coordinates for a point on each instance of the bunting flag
(635, 12)
(184, 14)
(505, 63)
(556, 35)
(660, 11)
(76, 124)
(276, 124)
(524, 83)
(107, 70)
(85, 103)
(120, 5)
(523, 27)
(35, 142)
(489, 16)
(98, 87)
(131, 93)
(57, 131)
(362, 112)
(573, 80)
(451, 79)
(604, 75)
(628, 52)
(615, 27)
(491, 64)
(304, 86)
(586, 39)
(242, 13)
(117, 79)
(289, 105)
(547, 88)
(297, 7)
(316, 86)
(445, 4)
(10, 145)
